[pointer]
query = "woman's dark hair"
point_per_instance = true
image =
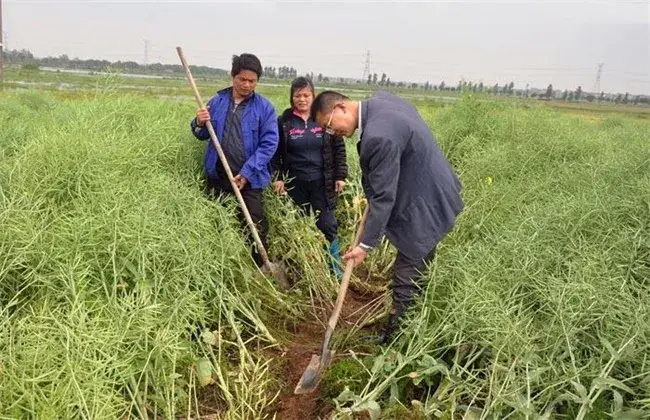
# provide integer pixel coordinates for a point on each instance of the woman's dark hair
(300, 83)
(246, 62)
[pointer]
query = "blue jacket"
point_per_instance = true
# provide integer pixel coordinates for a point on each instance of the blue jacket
(259, 132)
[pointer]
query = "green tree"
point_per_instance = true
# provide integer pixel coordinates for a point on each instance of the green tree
(549, 91)
(30, 65)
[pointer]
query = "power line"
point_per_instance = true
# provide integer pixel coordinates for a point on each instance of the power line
(422, 70)
(424, 66)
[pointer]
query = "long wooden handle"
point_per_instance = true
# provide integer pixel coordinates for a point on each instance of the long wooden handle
(224, 162)
(343, 288)
(360, 228)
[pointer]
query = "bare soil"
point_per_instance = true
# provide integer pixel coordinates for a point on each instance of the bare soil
(306, 342)
(293, 358)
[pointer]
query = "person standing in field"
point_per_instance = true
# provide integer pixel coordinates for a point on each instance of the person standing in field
(311, 165)
(413, 193)
(246, 126)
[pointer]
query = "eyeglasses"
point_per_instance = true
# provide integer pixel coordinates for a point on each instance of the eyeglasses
(328, 129)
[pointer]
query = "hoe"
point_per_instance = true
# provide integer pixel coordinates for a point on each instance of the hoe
(275, 269)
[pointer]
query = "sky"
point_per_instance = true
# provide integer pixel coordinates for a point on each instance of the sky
(527, 42)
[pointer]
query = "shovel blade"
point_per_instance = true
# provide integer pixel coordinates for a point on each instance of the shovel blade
(279, 272)
(312, 375)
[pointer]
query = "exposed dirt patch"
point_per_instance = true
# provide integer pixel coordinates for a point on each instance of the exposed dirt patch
(210, 403)
(361, 306)
(306, 342)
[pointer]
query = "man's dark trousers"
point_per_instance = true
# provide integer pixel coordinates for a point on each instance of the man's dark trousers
(253, 200)
(407, 276)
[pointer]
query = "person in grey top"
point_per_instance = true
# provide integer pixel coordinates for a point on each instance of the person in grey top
(412, 190)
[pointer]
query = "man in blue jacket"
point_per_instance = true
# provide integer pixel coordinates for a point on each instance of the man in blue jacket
(246, 126)
(412, 190)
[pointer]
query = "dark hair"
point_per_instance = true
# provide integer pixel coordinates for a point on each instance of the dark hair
(325, 102)
(300, 83)
(246, 61)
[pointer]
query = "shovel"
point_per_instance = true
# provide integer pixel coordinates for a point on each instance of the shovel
(312, 375)
(276, 269)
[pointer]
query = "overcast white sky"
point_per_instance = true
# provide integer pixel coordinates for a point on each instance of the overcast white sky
(527, 42)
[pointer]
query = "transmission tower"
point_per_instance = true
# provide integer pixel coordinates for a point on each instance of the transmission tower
(366, 68)
(597, 84)
(146, 52)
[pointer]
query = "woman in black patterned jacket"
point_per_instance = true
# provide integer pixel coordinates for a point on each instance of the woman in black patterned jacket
(313, 163)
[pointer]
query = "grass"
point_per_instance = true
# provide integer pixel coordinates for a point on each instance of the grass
(113, 262)
(538, 301)
(124, 290)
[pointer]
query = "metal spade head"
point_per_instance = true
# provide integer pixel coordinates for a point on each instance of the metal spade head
(312, 375)
(279, 272)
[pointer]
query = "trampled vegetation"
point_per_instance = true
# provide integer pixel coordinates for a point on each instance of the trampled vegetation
(125, 291)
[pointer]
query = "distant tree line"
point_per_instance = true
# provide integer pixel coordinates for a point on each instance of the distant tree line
(580, 95)
(26, 60)
(508, 90)
(284, 72)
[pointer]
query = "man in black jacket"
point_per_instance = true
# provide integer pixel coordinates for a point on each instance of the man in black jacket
(412, 190)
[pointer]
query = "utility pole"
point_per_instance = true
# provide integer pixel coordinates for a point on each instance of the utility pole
(1, 49)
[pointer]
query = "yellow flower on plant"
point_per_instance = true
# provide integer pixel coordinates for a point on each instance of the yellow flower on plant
(488, 180)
